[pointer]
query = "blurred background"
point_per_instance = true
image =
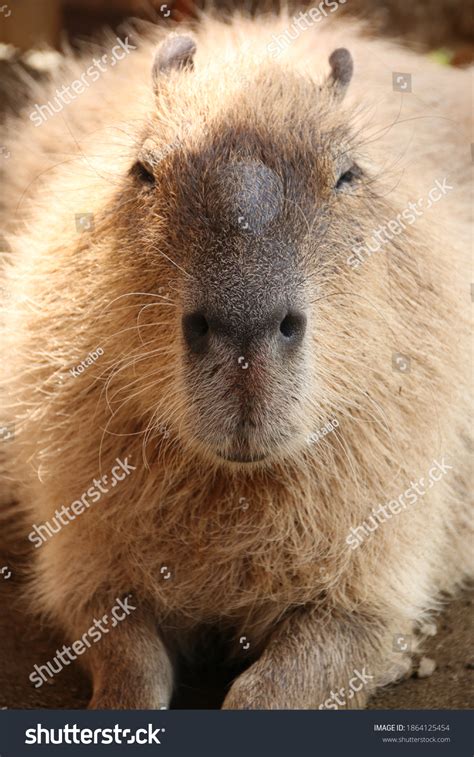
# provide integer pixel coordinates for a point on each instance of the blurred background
(31, 24)
(29, 28)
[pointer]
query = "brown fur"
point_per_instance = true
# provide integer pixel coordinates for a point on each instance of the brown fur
(278, 571)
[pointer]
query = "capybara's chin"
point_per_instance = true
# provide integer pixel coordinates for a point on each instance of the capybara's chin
(257, 434)
(246, 449)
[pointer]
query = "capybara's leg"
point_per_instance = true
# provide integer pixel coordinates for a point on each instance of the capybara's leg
(131, 668)
(315, 661)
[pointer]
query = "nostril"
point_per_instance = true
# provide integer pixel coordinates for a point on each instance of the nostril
(293, 325)
(195, 327)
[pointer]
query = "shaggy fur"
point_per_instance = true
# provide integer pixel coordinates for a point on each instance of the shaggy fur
(256, 550)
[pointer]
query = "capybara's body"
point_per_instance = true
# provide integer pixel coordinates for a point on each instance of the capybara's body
(265, 256)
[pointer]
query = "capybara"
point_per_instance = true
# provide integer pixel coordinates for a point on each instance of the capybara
(234, 356)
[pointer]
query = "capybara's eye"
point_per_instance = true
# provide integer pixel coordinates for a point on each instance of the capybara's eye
(348, 177)
(143, 174)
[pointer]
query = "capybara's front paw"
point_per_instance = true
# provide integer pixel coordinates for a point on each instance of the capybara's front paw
(128, 699)
(250, 692)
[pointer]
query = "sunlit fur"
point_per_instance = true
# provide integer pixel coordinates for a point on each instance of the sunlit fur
(121, 287)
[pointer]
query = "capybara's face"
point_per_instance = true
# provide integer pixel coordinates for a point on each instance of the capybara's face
(243, 228)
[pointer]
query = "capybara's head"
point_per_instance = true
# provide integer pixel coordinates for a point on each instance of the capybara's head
(234, 226)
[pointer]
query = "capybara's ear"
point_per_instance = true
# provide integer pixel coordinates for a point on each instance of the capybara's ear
(175, 53)
(342, 68)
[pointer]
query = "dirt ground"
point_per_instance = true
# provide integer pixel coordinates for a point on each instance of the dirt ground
(24, 643)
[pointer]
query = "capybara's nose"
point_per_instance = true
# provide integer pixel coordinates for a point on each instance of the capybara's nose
(284, 328)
